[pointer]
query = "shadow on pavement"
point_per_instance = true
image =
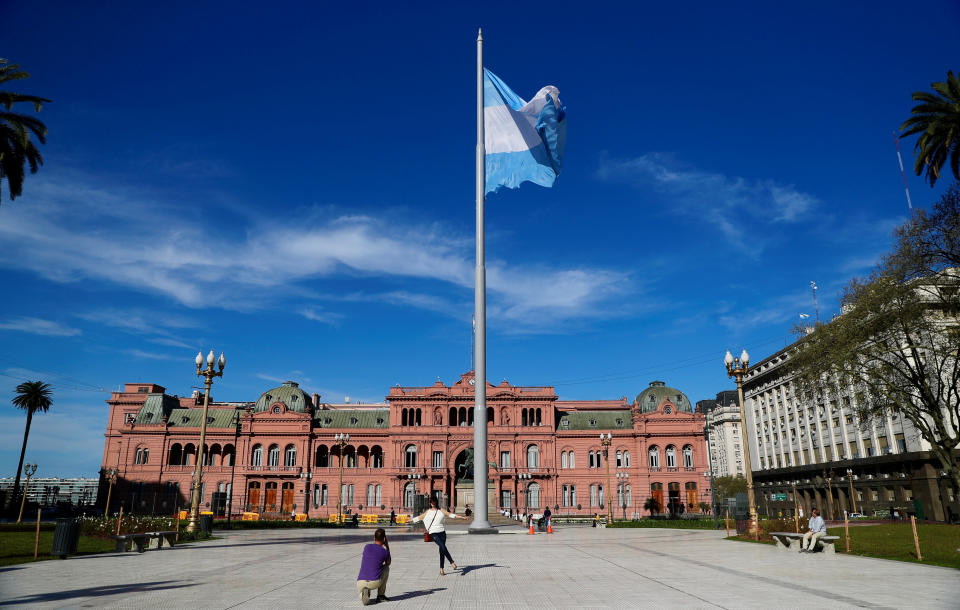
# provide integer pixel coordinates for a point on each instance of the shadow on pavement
(411, 594)
(345, 539)
(467, 569)
(54, 596)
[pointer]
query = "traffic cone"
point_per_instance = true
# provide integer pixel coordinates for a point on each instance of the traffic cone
(549, 526)
(531, 532)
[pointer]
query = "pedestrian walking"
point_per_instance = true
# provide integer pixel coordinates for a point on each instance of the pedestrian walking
(393, 517)
(433, 519)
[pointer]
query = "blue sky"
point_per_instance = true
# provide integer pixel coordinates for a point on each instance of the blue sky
(293, 184)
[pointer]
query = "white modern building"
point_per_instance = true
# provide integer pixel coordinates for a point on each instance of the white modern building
(723, 431)
(50, 490)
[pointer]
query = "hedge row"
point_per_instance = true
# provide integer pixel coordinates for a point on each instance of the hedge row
(686, 524)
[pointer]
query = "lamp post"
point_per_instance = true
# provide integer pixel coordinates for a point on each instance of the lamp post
(622, 489)
(606, 440)
(208, 374)
(828, 477)
(523, 476)
(415, 477)
(796, 505)
(342, 439)
(28, 470)
(737, 368)
(853, 499)
(233, 463)
(713, 494)
(111, 476)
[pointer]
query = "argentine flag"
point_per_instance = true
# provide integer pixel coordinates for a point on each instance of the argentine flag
(523, 141)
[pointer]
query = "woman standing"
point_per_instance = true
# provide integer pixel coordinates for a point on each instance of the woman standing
(433, 520)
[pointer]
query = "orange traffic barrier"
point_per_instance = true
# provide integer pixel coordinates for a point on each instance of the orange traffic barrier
(531, 527)
(549, 526)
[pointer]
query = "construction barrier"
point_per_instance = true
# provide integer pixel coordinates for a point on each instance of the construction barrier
(182, 515)
(250, 517)
(402, 519)
(369, 518)
(335, 518)
(301, 517)
(206, 512)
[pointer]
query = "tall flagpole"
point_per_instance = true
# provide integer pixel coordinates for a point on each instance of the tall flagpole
(480, 523)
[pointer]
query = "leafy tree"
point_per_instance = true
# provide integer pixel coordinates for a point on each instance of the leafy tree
(937, 119)
(896, 343)
(32, 396)
(729, 487)
(17, 149)
(651, 505)
(704, 507)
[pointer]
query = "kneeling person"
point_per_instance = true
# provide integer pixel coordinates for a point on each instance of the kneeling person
(374, 568)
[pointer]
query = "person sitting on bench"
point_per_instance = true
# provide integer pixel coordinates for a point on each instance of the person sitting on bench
(817, 530)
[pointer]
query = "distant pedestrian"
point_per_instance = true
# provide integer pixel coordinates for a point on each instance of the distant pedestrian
(393, 517)
(433, 520)
(355, 521)
(546, 516)
(374, 568)
(817, 529)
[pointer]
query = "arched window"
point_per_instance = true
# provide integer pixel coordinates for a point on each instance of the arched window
(256, 457)
(452, 420)
(376, 457)
(563, 459)
(654, 457)
(290, 456)
(489, 416)
(573, 495)
(570, 460)
(626, 459)
(671, 456)
(691, 489)
(629, 497)
(189, 455)
(323, 457)
(410, 457)
(229, 455)
(419, 417)
(371, 494)
(619, 459)
(408, 495)
(273, 456)
(462, 416)
(590, 453)
(212, 455)
(470, 416)
(533, 495)
(523, 417)
(688, 456)
(379, 496)
(176, 455)
(403, 417)
(593, 495)
(533, 457)
(349, 457)
(539, 420)
(600, 488)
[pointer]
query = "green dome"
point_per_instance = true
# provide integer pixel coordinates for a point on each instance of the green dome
(649, 399)
(289, 394)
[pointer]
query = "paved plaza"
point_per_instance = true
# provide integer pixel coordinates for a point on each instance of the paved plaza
(576, 567)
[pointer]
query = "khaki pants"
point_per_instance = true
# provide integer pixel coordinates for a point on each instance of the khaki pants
(365, 586)
(810, 540)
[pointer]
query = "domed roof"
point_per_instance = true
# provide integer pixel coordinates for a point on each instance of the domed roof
(289, 394)
(649, 399)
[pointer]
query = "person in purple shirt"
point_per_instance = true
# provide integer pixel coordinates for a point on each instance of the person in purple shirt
(374, 568)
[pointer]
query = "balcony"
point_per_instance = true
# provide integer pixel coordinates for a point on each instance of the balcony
(289, 471)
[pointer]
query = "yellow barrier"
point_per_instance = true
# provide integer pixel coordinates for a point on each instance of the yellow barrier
(206, 512)
(182, 515)
(301, 517)
(402, 519)
(334, 519)
(369, 518)
(250, 517)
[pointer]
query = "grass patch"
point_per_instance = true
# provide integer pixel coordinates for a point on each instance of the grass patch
(17, 547)
(939, 543)
(683, 524)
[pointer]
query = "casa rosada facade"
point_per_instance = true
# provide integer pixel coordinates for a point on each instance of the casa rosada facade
(280, 454)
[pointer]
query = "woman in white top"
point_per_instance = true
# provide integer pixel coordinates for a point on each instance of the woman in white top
(433, 520)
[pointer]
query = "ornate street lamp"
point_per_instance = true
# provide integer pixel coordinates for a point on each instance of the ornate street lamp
(28, 470)
(523, 476)
(737, 368)
(622, 489)
(853, 499)
(111, 475)
(233, 463)
(606, 440)
(342, 439)
(208, 375)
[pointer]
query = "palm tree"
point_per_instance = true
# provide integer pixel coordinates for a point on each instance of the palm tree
(32, 396)
(16, 148)
(937, 119)
(651, 505)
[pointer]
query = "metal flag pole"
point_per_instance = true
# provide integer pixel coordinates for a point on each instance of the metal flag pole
(480, 523)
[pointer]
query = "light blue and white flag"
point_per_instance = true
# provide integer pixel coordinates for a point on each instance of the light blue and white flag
(523, 141)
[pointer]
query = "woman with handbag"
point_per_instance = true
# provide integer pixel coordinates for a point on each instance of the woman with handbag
(433, 520)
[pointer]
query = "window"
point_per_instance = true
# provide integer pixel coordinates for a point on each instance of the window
(376, 457)
(273, 457)
(324, 493)
(901, 443)
(619, 459)
(371, 495)
(593, 495)
(256, 459)
(600, 488)
(290, 456)
(533, 495)
(566, 495)
(570, 461)
(671, 456)
(563, 462)
(629, 497)
(654, 457)
(410, 458)
(573, 495)
(504, 459)
(438, 459)
(505, 499)
(408, 495)
(592, 463)
(688, 456)
(626, 459)
(533, 457)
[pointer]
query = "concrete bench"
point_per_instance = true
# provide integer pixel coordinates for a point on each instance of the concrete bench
(791, 541)
(145, 540)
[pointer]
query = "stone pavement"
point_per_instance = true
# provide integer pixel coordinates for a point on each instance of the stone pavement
(575, 567)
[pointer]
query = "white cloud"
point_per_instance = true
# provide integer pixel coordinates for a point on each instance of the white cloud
(711, 196)
(75, 232)
(318, 315)
(136, 353)
(38, 326)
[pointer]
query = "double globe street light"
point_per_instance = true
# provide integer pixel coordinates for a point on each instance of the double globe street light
(737, 368)
(208, 375)
(342, 439)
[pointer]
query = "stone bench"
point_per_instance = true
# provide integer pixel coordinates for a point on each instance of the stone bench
(791, 541)
(145, 540)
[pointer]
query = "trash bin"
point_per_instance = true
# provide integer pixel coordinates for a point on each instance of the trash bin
(65, 537)
(206, 523)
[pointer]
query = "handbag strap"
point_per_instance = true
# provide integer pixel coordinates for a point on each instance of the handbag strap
(432, 520)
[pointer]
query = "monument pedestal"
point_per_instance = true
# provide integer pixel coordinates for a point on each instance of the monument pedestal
(465, 497)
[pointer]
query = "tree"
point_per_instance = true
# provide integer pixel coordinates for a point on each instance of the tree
(937, 119)
(704, 507)
(651, 505)
(894, 349)
(17, 149)
(729, 487)
(32, 396)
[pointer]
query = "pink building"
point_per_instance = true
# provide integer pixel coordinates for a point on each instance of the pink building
(279, 454)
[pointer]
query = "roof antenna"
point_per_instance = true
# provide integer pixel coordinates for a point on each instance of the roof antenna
(813, 287)
(903, 174)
